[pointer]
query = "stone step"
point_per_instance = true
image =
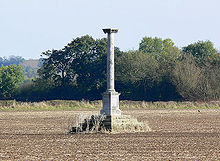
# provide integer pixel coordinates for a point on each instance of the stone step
(122, 123)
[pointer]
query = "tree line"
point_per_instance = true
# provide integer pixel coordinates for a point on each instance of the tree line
(158, 70)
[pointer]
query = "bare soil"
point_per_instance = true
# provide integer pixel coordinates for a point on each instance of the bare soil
(174, 135)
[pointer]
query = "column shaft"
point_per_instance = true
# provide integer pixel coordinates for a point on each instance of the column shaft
(110, 63)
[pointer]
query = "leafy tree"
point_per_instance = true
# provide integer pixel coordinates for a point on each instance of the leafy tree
(151, 45)
(203, 51)
(155, 45)
(135, 66)
(166, 55)
(137, 74)
(80, 65)
(10, 78)
(56, 66)
(163, 50)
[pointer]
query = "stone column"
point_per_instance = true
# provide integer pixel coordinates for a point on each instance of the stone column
(110, 98)
(110, 63)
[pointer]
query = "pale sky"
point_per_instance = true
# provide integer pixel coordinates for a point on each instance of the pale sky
(29, 27)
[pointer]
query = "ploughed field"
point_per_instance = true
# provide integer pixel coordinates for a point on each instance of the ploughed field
(175, 135)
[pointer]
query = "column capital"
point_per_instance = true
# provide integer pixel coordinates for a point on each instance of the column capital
(110, 30)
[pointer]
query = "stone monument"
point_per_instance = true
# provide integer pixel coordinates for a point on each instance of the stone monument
(110, 98)
(110, 118)
(114, 121)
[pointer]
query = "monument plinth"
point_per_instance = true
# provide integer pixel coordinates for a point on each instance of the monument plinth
(110, 98)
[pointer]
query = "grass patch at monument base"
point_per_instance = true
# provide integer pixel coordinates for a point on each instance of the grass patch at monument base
(109, 124)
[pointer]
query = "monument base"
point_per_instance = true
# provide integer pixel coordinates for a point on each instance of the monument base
(124, 123)
(110, 102)
(112, 124)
